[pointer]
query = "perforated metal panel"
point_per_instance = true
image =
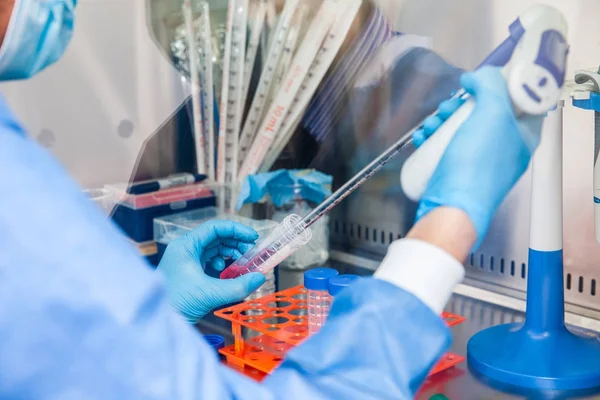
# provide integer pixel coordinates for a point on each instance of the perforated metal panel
(370, 220)
(500, 264)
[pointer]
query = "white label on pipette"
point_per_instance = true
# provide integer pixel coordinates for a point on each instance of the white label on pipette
(310, 47)
(278, 145)
(194, 75)
(289, 49)
(331, 46)
(224, 94)
(258, 22)
(233, 81)
(266, 78)
(207, 85)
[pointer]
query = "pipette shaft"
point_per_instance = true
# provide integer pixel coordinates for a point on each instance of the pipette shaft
(357, 180)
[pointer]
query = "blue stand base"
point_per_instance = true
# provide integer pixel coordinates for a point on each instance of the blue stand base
(555, 360)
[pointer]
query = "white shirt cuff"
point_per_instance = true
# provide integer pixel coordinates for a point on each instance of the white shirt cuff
(422, 269)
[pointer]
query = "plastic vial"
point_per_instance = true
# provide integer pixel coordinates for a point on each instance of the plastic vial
(217, 342)
(338, 283)
(316, 281)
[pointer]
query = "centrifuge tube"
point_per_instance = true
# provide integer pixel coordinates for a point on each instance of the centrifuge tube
(316, 281)
(286, 238)
(340, 282)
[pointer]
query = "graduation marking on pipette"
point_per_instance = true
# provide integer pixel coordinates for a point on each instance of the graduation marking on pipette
(266, 79)
(329, 49)
(224, 94)
(207, 85)
(303, 60)
(326, 108)
(232, 86)
(194, 76)
(258, 22)
(290, 47)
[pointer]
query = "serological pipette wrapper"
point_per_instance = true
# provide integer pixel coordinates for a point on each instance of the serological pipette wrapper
(289, 236)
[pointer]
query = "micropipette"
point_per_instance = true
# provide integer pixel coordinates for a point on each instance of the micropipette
(267, 254)
(534, 76)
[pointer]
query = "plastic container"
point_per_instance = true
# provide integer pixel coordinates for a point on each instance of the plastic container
(217, 342)
(316, 281)
(282, 242)
(135, 213)
(169, 228)
(339, 283)
(316, 252)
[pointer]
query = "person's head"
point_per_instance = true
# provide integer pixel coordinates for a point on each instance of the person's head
(33, 35)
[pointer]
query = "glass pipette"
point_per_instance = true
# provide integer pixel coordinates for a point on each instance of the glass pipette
(271, 251)
(294, 232)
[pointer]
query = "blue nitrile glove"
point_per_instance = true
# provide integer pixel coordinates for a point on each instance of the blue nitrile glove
(488, 154)
(190, 290)
(431, 124)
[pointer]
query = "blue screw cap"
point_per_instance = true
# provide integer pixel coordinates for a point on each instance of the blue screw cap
(316, 279)
(216, 341)
(337, 283)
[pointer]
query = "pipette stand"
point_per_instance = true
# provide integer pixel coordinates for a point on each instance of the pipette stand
(541, 353)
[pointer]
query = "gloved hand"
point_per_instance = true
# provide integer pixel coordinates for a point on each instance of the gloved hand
(190, 290)
(431, 124)
(488, 154)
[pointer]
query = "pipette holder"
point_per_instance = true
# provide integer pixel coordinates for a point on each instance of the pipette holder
(541, 353)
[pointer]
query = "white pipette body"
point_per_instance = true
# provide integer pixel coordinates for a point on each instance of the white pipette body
(534, 75)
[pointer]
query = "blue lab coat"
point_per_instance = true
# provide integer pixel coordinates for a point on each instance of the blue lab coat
(83, 317)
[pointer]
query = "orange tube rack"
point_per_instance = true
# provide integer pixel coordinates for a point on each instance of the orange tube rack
(265, 329)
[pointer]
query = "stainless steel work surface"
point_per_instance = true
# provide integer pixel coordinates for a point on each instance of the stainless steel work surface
(457, 383)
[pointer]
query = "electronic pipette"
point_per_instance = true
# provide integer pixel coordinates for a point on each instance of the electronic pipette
(534, 74)
(538, 31)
